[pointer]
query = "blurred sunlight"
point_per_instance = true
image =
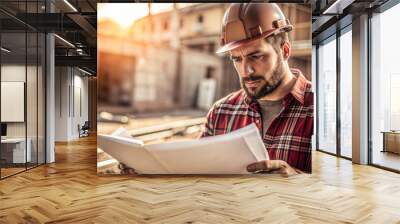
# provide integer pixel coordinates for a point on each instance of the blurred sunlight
(126, 13)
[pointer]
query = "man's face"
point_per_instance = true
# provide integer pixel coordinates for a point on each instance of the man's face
(260, 68)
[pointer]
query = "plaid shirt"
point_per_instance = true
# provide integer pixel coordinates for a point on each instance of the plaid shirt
(288, 137)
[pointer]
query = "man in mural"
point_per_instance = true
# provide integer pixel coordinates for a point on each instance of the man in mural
(276, 98)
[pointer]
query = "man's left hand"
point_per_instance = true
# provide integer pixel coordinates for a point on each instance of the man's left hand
(279, 166)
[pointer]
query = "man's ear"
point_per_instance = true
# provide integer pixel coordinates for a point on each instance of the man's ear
(286, 49)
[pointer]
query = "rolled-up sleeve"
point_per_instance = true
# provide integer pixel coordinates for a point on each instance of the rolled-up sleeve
(208, 129)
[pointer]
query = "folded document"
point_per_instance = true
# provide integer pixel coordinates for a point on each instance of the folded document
(222, 154)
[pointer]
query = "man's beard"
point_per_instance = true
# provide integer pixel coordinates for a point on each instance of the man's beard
(269, 86)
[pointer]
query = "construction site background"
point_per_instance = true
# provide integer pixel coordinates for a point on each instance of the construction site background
(158, 63)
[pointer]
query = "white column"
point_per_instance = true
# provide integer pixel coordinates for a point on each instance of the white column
(50, 92)
(50, 99)
(360, 90)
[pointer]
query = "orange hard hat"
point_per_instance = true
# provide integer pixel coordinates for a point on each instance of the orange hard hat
(246, 22)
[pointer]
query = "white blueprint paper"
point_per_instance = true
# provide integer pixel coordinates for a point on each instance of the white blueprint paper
(222, 154)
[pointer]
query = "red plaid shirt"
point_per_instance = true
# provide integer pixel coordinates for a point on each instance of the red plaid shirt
(288, 137)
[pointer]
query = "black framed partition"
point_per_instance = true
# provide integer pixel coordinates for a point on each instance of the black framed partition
(333, 92)
(22, 90)
(326, 95)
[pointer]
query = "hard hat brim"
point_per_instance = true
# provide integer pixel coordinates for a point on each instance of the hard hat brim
(236, 44)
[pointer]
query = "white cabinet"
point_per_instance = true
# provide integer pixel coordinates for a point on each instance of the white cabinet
(19, 155)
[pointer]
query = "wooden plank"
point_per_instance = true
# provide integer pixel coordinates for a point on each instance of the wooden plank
(166, 126)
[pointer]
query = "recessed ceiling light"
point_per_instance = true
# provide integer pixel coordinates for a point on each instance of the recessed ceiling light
(337, 7)
(70, 5)
(5, 50)
(64, 40)
(84, 71)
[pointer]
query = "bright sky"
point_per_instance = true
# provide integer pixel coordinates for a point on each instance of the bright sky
(126, 13)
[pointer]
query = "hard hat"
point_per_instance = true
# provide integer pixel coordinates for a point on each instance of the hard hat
(246, 22)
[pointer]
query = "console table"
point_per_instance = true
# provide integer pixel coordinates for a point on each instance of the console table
(391, 141)
(13, 150)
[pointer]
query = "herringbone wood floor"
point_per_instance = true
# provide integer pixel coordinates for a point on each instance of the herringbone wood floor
(70, 192)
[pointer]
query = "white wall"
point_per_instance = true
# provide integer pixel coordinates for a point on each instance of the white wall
(62, 80)
(71, 94)
(80, 108)
(33, 126)
(13, 73)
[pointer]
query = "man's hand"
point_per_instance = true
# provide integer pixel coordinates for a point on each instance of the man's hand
(126, 169)
(278, 166)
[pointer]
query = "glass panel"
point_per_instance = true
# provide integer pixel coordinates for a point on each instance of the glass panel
(346, 94)
(31, 97)
(41, 98)
(13, 86)
(327, 96)
(385, 84)
(314, 84)
(31, 87)
(23, 89)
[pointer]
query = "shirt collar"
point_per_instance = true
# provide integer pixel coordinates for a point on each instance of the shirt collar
(297, 92)
(299, 88)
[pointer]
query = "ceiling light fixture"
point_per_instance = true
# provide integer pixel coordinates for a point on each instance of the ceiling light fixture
(71, 6)
(5, 50)
(337, 7)
(64, 40)
(84, 71)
